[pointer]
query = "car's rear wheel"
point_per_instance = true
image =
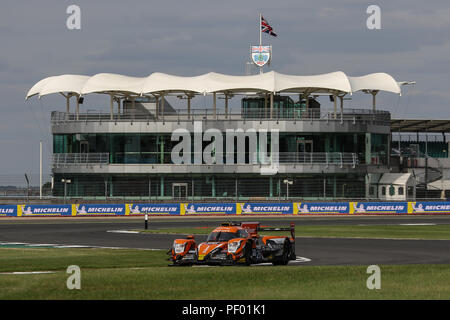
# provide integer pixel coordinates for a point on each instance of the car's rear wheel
(284, 258)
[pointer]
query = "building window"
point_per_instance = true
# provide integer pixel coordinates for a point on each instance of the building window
(383, 191)
(391, 190)
(400, 191)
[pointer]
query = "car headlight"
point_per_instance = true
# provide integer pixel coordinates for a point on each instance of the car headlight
(178, 247)
(233, 246)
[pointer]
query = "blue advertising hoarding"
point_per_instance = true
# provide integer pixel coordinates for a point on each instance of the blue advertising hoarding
(207, 208)
(265, 208)
(429, 207)
(378, 207)
(243, 208)
(44, 210)
(99, 209)
(153, 208)
(321, 208)
(8, 211)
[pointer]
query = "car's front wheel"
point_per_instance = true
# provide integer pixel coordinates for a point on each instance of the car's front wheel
(248, 253)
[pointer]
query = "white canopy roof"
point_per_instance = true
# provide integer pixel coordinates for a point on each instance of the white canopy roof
(375, 81)
(109, 82)
(395, 178)
(67, 83)
(332, 83)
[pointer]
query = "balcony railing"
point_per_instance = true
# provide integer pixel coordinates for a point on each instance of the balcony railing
(80, 158)
(325, 158)
(340, 158)
(355, 115)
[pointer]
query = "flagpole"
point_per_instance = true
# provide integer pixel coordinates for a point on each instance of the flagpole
(260, 40)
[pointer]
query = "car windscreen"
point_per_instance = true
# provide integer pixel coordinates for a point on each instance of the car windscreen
(221, 236)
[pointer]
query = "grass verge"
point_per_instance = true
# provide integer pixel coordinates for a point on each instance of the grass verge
(139, 274)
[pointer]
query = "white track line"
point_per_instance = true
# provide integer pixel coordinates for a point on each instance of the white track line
(298, 259)
(12, 243)
(28, 272)
(68, 246)
(122, 231)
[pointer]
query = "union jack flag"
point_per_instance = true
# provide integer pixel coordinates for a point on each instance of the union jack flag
(266, 28)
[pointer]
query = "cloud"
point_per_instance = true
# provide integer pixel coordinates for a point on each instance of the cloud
(190, 38)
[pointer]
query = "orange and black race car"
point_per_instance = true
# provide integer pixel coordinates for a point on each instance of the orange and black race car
(236, 243)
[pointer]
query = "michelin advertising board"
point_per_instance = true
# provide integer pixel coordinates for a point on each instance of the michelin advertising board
(378, 207)
(428, 207)
(264, 208)
(243, 208)
(153, 208)
(8, 211)
(321, 208)
(44, 210)
(207, 208)
(98, 209)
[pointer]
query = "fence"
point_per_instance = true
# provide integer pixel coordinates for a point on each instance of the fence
(230, 208)
(339, 158)
(382, 117)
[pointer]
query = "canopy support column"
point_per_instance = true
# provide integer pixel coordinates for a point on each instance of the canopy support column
(265, 105)
(226, 106)
(162, 105)
(118, 107)
(189, 106)
(374, 101)
(214, 105)
(67, 106)
(78, 107)
(342, 106)
(157, 107)
(271, 105)
(111, 106)
(335, 105)
(133, 107)
(306, 95)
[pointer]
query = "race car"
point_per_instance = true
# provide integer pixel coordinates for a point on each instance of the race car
(236, 243)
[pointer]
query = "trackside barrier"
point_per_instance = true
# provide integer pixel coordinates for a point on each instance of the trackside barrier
(153, 208)
(240, 208)
(207, 208)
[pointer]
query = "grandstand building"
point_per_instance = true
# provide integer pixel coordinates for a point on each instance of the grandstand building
(302, 150)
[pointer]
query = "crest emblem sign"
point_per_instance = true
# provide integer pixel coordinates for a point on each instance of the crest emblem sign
(261, 55)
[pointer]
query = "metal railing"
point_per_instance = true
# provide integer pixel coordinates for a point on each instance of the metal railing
(80, 158)
(340, 158)
(355, 115)
(334, 158)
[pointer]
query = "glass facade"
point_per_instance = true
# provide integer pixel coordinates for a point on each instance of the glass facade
(156, 148)
(380, 148)
(206, 187)
(283, 107)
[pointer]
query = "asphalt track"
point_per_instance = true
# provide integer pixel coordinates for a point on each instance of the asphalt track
(320, 251)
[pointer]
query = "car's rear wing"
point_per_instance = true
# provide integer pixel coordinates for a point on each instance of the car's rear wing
(291, 229)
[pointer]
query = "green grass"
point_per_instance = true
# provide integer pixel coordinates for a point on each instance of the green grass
(350, 231)
(139, 274)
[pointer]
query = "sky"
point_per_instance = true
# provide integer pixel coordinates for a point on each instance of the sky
(192, 37)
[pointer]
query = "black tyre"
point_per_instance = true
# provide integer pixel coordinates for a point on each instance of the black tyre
(284, 258)
(248, 253)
